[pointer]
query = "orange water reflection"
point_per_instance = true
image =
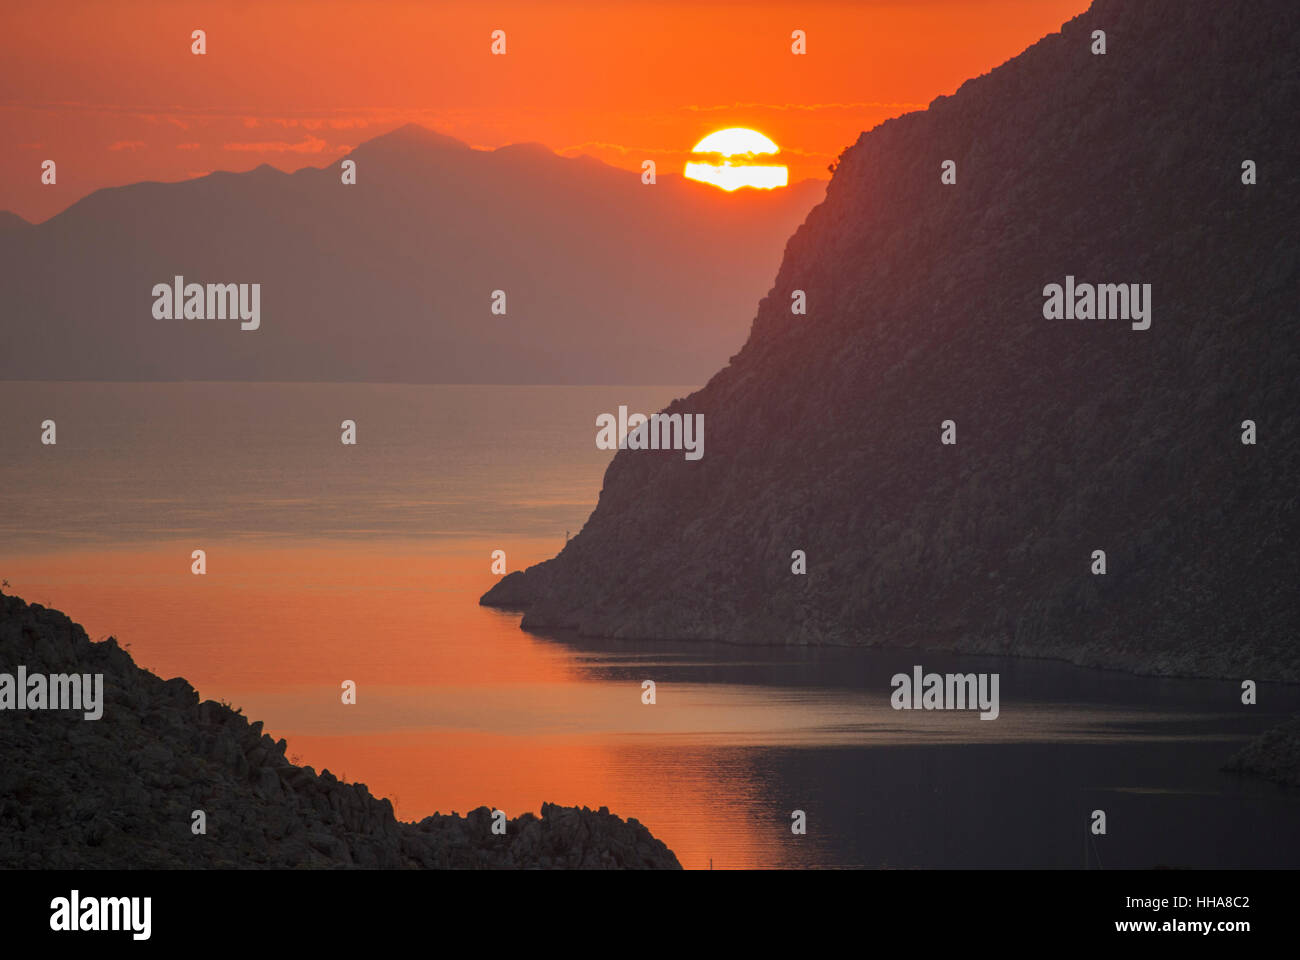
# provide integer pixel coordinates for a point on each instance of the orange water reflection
(456, 706)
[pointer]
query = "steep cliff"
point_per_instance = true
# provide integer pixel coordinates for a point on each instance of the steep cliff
(926, 303)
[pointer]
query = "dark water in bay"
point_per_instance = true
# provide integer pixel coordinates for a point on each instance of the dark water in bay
(895, 788)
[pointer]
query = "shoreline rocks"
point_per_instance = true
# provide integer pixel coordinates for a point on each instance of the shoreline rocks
(1273, 755)
(120, 791)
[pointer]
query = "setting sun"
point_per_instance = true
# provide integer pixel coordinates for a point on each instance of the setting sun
(731, 155)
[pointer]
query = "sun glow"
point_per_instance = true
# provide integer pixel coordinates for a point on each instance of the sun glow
(727, 160)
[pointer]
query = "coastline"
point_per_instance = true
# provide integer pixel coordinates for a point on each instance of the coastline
(1273, 755)
(123, 790)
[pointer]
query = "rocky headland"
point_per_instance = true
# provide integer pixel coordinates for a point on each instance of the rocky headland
(120, 791)
(1174, 447)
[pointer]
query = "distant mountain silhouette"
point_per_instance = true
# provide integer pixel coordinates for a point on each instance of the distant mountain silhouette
(926, 303)
(12, 223)
(607, 280)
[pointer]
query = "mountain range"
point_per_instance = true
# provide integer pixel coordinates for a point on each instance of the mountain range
(391, 279)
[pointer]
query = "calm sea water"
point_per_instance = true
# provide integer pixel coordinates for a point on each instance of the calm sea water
(329, 563)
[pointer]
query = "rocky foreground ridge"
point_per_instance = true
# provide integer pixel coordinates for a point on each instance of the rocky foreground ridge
(925, 303)
(120, 791)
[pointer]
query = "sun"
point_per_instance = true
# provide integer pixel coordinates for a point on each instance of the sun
(727, 160)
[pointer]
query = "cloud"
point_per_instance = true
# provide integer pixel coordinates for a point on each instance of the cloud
(624, 150)
(307, 145)
(306, 123)
(617, 148)
(809, 107)
(127, 145)
(184, 116)
(810, 154)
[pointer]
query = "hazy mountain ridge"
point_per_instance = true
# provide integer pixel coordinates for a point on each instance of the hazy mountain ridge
(390, 279)
(10, 222)
(925, 303)
(120, 791)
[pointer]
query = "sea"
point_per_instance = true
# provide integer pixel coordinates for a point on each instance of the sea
(329, 564)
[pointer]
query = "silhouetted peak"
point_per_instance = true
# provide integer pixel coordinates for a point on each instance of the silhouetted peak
(527, 149)
(414, 135)
(10, 222)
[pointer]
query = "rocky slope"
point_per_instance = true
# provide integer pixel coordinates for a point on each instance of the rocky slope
(1273, 755)
(926, 304)
(120, 791)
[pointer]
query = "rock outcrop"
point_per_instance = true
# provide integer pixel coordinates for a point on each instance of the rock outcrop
(1273, 755)
(120, 791)
(925, 303)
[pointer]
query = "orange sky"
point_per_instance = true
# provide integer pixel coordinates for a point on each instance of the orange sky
(111, 92)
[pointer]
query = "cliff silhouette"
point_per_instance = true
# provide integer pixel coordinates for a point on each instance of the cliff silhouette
(926, 303)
